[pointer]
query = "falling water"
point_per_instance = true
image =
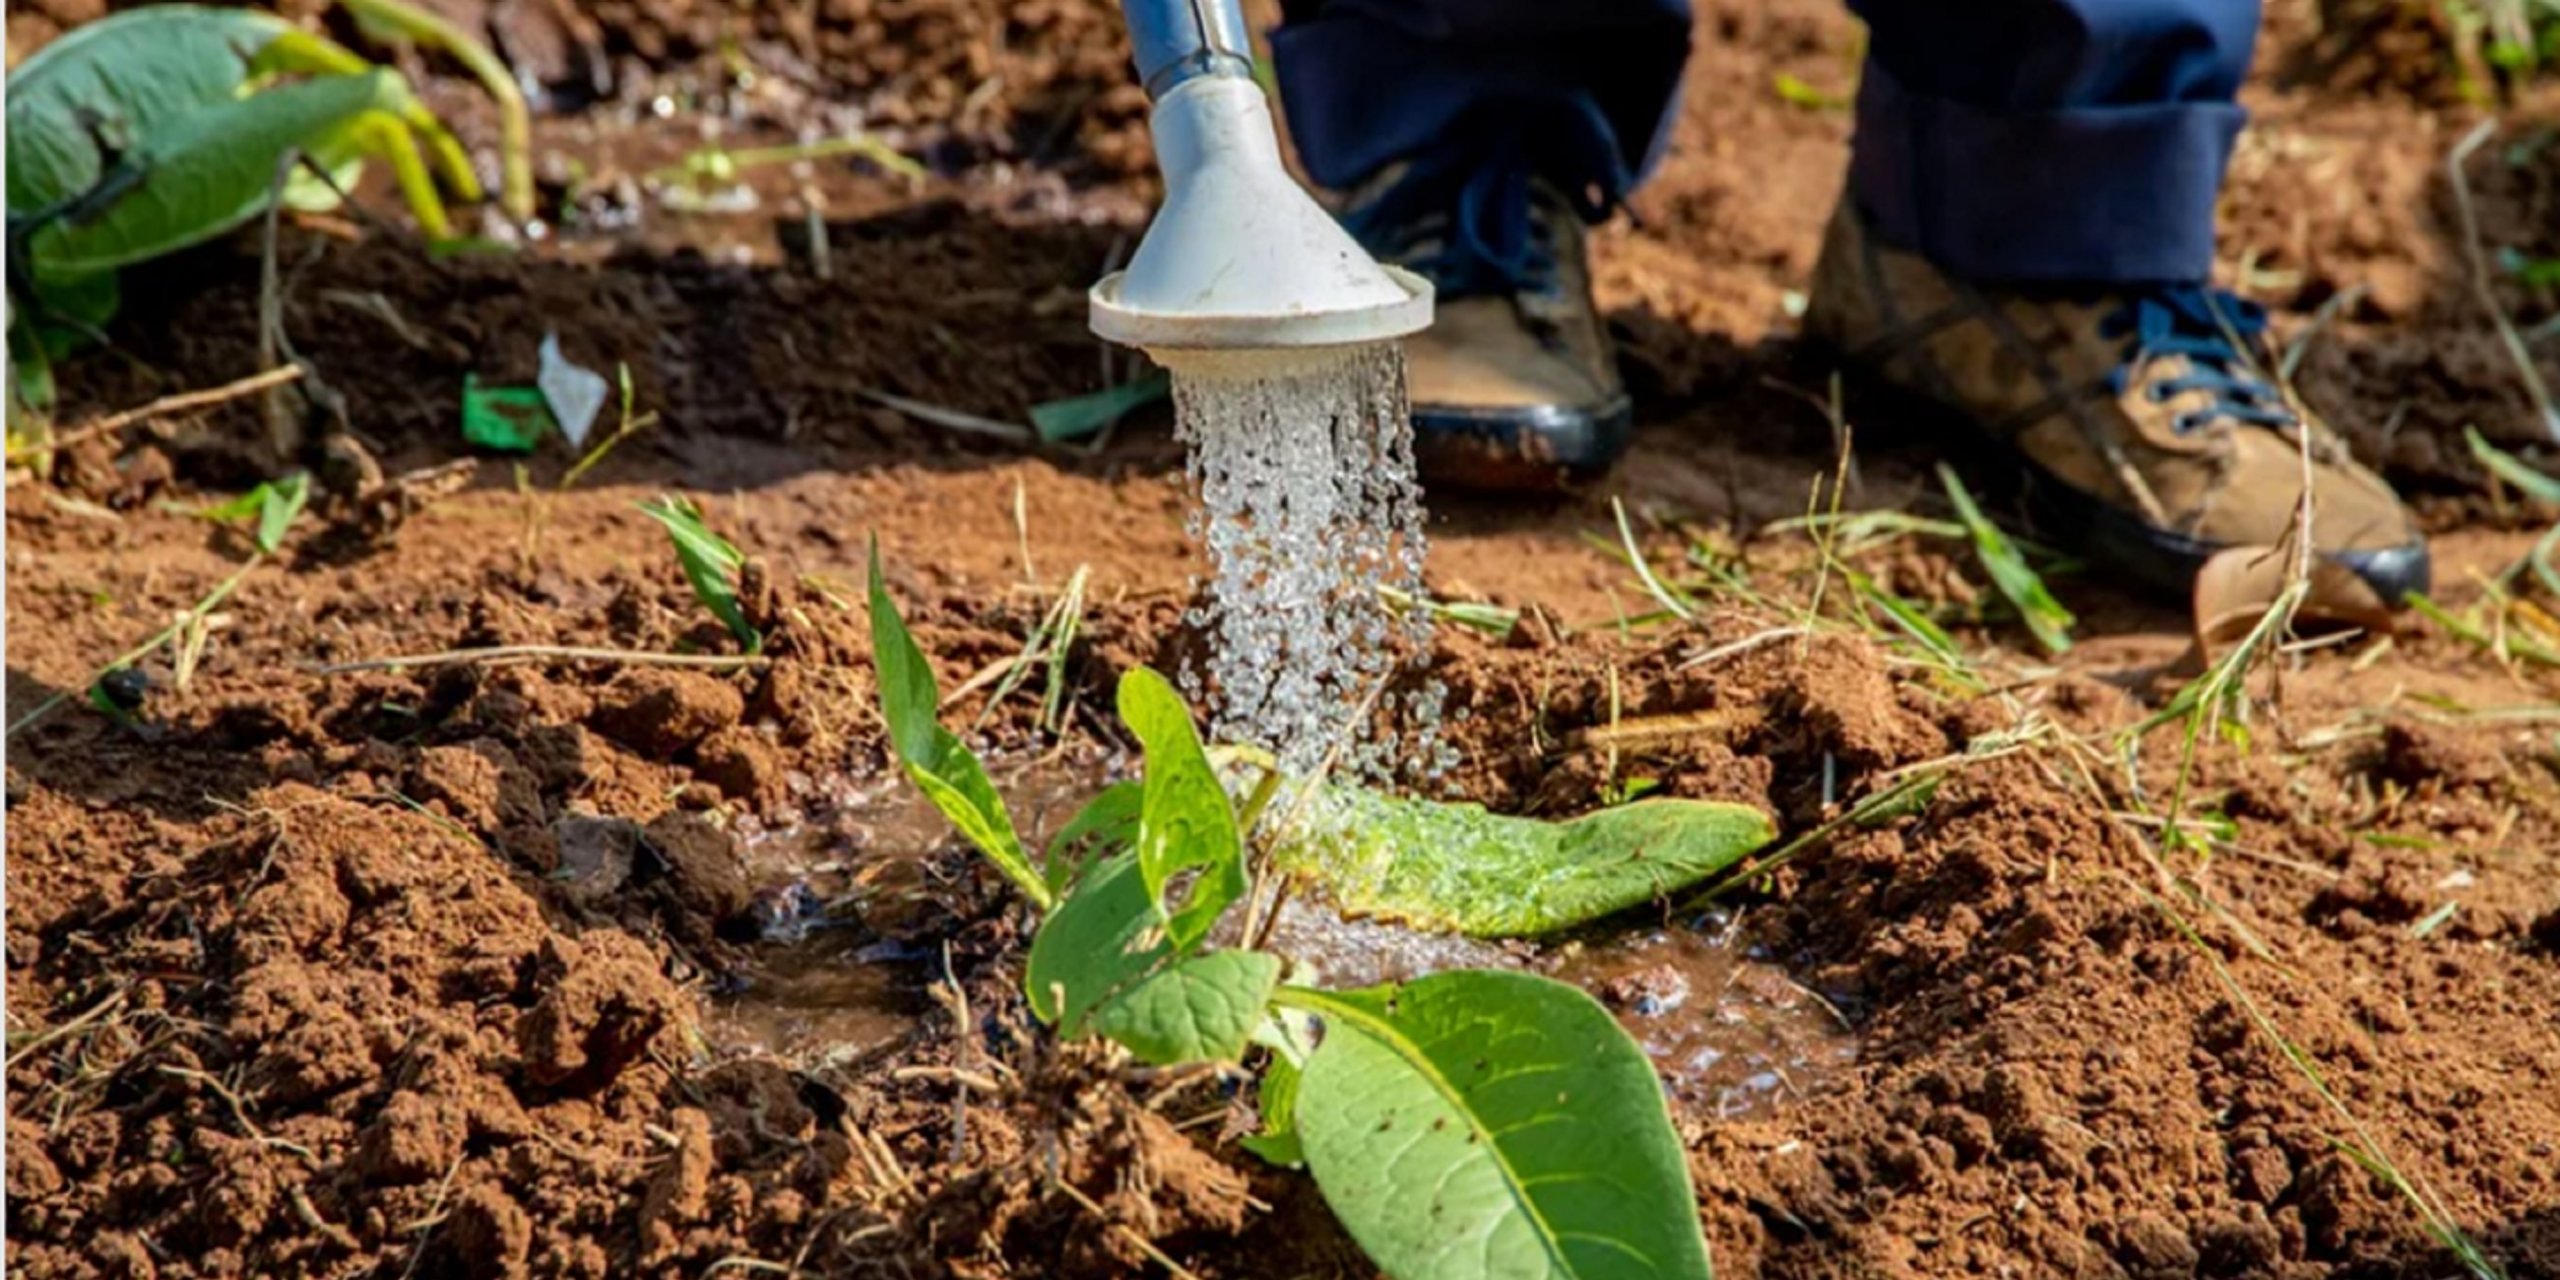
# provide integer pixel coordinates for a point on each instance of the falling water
(1303, 463)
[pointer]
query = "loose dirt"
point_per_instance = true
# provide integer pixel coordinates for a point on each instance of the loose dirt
(446, 970)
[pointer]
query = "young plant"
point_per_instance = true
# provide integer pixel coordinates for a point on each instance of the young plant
(115, 689)
(711, 564)
(1467, 1124)
(164, 126)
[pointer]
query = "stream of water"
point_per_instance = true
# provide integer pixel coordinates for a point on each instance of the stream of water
(1302, 462)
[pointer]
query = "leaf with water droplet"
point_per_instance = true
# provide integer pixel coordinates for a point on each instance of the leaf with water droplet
(1458, 868)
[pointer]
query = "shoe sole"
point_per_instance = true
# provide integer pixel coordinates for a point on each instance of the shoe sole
(1532, 449)
(2162, 559)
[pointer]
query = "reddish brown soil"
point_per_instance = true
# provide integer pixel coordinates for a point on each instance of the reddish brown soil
(399, 972)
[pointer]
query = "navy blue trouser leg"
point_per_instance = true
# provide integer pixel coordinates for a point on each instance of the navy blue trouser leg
(2019, 140)
(1594, 82)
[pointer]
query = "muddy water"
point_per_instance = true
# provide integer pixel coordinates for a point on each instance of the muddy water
(1732, 1034)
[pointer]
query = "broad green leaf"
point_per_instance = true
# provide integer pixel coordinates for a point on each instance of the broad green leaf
(279, 501)
(2045, 617)
(1108, 823)
(196, 177)
(1186, 822)
(934, 757)
(1457, 868)
(1202, 1009)
(1477, 1124)
(1076, 417)
(31, 387)
(710, 563)
(507, 419)
(1278, 1142)
(139, 77)
(1097, 942)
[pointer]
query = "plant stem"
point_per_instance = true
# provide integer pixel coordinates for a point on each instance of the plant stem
(515, 121)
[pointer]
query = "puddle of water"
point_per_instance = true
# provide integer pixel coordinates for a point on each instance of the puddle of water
(835, 886)
(1732, 1034)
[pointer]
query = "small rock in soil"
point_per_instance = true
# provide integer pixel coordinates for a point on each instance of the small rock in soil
(706, 877)
(744, 766)
(603, 1000)
(595, 856)
(661, 713)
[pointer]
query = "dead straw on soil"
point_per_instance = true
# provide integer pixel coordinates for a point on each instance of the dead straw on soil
(508, 653)
(180, 402)
(2475, 248)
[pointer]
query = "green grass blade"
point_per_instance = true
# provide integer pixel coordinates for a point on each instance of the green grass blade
(934, 757)
(1076, 417)
(2045, 617)
(710, 563)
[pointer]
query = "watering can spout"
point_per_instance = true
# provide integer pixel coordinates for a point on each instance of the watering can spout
(1239, 256)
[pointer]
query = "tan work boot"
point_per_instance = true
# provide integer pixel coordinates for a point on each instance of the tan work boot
(2149, 439)
(1515, 385)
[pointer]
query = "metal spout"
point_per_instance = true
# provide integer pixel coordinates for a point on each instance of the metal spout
(1239, 256)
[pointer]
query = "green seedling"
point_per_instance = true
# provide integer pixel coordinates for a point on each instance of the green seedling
(276, 505)
(164, 126)
(711, 565)
(1437, 1116)
(705, 168)
(2045, 617)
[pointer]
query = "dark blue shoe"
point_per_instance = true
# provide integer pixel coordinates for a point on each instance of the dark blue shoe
(1515, 386)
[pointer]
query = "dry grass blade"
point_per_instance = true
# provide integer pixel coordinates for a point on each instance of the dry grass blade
(160, 408)
(544, 653)
(2477, 252)
(2364, 1150)
(951, 419)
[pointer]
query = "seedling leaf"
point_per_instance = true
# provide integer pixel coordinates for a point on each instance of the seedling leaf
(1458, 868)
(710, 563)
(279, 501)
(2533, 483)
(934, 757)
(1097, 942)
(275, 504)
(1108, 822)
(1076, 417)
(2045, 617)
(1203, 1009)
(1478, 1123)
(1186, 822)
(507, 419)
(1278, 1142)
